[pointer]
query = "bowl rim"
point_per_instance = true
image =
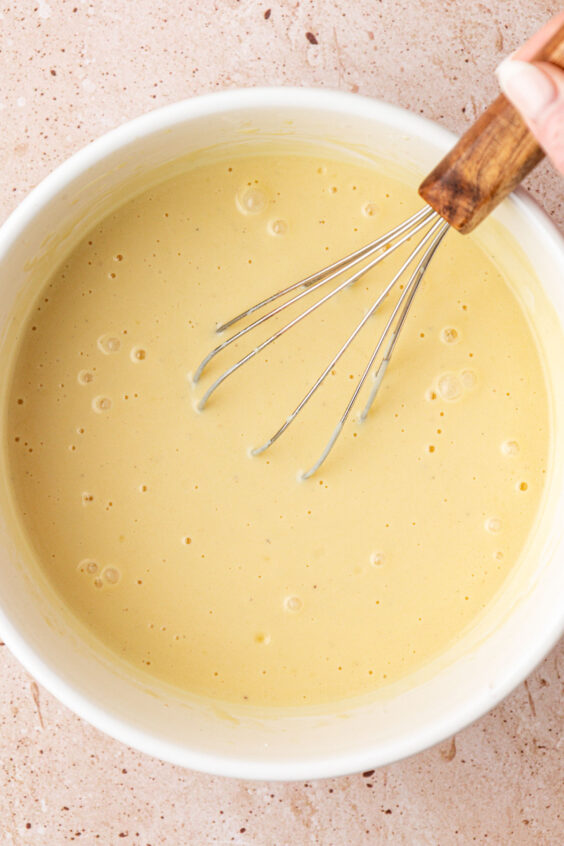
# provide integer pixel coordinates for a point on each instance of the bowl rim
(331, 765)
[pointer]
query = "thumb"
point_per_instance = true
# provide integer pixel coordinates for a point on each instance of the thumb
(536, 89)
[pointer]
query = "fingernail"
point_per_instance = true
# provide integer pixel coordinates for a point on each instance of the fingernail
(529, 89)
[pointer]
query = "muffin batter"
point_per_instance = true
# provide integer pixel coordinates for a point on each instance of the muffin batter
(225, 575)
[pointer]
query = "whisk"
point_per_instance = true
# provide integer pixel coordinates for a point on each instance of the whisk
(488, 162)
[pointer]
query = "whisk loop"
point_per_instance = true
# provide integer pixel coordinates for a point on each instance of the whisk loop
(436, 234)
(310, 284)
(422, 254)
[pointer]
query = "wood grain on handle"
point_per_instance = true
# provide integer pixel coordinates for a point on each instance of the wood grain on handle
(489, 161)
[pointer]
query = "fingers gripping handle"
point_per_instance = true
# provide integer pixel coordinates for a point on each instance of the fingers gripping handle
(489, 161)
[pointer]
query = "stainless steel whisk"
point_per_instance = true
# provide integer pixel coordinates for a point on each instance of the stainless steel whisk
(488, 162)
(395, 238)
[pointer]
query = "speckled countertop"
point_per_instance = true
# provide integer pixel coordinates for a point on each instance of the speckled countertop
(68, 72)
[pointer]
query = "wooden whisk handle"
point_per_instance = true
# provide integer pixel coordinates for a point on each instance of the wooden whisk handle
(489, 161)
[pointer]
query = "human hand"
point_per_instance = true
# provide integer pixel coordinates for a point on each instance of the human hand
(536, 89)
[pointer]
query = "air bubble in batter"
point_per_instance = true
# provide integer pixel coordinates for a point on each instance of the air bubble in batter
(88, 565)
(468, 379)
(493, 525)
(510, 448)
(377, 559)
(101, 404)
(370, 209)
(450, 387)
(111, 575)
(251, 200)
(109, 344)
(293, 604)
(85, 377)
(138, 354)
(278, 227)
(449, 335)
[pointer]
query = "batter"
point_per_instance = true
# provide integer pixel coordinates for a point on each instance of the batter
(223, 574)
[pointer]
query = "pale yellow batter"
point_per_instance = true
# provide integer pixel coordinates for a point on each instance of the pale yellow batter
(223, 574)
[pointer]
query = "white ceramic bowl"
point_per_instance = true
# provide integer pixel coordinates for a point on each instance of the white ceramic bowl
(496, 654)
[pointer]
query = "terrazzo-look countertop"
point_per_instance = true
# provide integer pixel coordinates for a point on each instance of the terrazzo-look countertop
(69, 72)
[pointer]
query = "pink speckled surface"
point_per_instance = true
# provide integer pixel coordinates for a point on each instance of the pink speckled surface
(72, 70)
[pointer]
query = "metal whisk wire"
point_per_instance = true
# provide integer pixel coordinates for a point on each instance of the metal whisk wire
(310, 284)
(437, 233)
(426, 218)
(347, 344)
